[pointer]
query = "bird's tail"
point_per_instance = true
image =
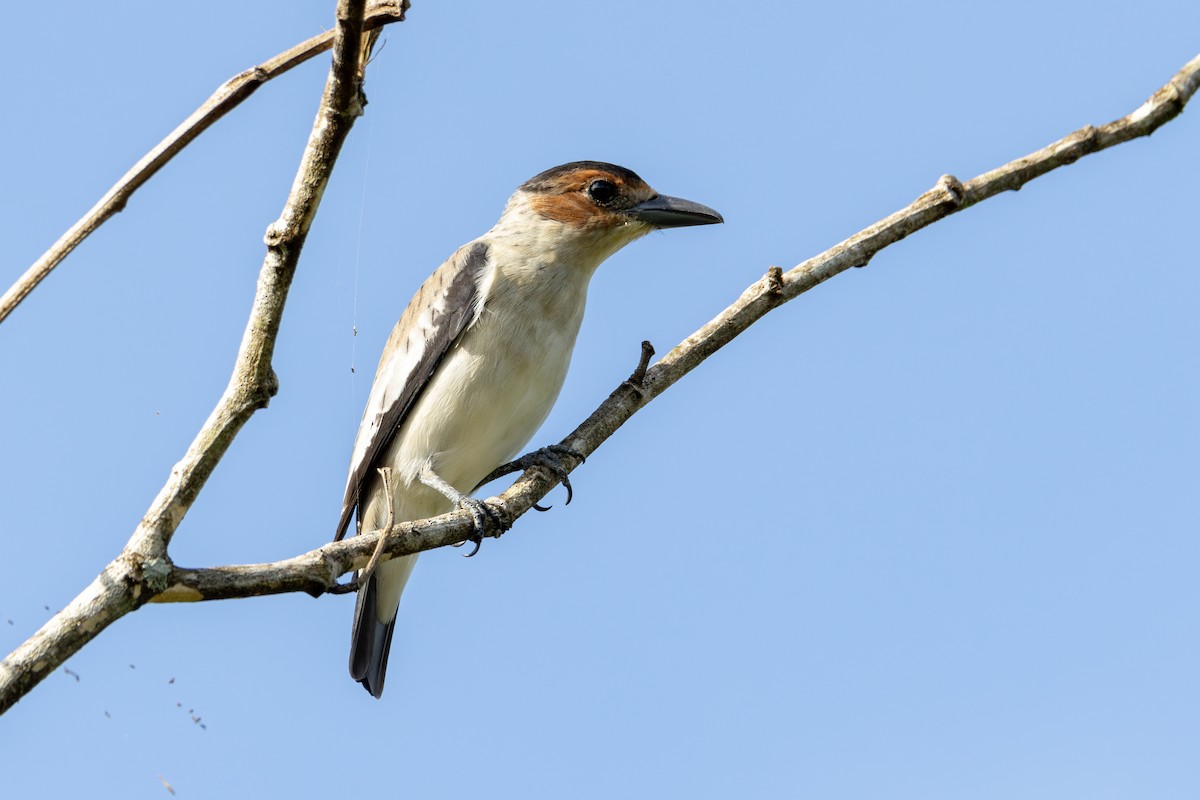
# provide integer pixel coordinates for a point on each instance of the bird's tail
(370, 640)
(374, 621)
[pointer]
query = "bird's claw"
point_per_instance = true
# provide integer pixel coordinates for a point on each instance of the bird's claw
(480, 513)
(549, 457)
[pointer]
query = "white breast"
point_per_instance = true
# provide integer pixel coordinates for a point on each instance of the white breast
(496, 387)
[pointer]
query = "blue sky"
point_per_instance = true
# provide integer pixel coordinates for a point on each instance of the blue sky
(929, 531)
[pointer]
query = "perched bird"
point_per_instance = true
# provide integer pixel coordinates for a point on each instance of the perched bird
(477, 360)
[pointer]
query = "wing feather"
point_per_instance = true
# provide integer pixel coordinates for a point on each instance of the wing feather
(444, 307)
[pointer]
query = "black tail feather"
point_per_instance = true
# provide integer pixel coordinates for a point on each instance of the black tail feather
(370, 641)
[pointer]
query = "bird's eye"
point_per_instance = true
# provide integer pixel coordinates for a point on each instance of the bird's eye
(602, 192)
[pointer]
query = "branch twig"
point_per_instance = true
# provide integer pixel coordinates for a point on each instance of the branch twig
(143, 569)
(364, 577)
(317, 571)
(227, 97)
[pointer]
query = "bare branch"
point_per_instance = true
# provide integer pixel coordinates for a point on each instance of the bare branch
(385, 475)
(946, 198)
(143, 569)
(227, 97)
(318, 570)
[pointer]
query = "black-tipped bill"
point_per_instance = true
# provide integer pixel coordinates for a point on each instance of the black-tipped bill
(673, 212)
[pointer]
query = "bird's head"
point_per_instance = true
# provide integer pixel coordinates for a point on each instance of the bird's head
(596, 208)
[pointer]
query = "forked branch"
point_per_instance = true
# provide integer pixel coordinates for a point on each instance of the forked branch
(227, 97)
(144, 572)
(143, 569)
(318, 570)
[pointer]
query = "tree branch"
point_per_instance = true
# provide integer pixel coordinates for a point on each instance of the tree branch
(317, 571)
(227, 97)
(143, 567)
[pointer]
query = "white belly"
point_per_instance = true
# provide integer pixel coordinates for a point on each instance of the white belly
(482, 406)
(484, 403)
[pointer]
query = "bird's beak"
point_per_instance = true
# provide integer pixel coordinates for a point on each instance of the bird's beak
(673, 212)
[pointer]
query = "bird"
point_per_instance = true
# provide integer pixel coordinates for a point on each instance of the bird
(477, 360)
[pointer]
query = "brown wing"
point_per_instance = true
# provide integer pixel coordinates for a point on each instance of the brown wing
(443, 308)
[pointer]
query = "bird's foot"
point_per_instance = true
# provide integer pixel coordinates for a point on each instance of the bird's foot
(549, 457)
(484, 517)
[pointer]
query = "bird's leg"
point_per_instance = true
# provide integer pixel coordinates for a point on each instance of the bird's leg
(549, 457)
(479, 510)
